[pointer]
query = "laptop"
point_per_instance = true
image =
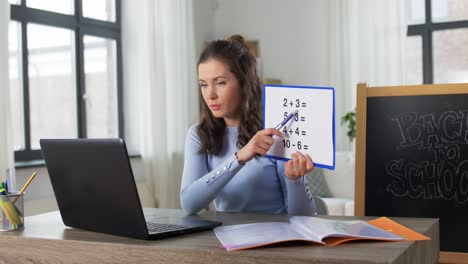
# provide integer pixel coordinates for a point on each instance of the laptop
(95, 190)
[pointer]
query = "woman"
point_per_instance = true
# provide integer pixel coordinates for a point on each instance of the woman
(222, 151)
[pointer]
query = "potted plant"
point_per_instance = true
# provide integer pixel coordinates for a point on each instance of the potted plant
(349, 120)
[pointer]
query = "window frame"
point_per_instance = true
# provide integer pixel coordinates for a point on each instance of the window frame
(425, 31)
(80, 26)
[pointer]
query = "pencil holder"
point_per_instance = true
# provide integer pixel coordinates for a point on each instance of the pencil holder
(11, 212)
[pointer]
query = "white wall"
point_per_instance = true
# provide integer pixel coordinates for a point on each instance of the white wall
(203, 21)
(291, 34)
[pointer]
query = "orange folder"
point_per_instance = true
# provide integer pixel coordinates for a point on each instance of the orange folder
(387, 225)
(397, 229)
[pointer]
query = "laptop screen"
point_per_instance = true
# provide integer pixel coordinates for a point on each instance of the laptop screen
(94, 185)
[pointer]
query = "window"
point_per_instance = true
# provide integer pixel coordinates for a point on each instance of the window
(65, 71)
(437, 38)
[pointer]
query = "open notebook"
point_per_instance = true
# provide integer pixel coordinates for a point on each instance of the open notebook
(312, 229)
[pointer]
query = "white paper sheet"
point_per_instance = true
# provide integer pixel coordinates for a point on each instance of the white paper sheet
(311, 131)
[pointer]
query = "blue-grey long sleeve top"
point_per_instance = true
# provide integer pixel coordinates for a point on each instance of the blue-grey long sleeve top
(257, 186)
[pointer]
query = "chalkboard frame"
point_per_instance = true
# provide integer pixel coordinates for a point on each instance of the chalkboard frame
(363, 93)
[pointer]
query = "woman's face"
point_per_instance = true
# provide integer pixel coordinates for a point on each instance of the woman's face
(220, 90)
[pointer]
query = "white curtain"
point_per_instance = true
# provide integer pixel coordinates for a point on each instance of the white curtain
(6, 144)
(161, 89)
(367, 44)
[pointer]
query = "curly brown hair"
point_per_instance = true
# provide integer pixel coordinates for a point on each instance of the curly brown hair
(236, 55)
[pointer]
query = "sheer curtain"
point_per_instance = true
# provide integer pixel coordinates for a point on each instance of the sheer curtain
(160, 89)
(367, 43)
(6, 139)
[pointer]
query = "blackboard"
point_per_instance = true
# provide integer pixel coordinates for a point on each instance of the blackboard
(414, 154)
(417, 154)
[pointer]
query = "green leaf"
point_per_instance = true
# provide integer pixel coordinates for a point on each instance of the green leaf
(349, 119)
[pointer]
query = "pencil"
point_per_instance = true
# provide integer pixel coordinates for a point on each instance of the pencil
(27, 183)
(25, 186)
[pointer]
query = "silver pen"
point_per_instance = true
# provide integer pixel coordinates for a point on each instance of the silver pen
(286, 120)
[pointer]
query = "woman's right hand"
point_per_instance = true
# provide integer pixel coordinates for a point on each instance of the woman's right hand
(258, 145)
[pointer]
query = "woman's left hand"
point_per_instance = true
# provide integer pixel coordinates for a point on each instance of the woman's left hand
(298, 166)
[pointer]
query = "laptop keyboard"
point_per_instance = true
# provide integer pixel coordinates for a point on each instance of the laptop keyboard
(161, 228)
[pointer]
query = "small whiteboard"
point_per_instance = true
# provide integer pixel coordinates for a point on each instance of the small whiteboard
(311, 131)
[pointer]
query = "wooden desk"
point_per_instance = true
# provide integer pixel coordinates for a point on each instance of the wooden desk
(47, 240)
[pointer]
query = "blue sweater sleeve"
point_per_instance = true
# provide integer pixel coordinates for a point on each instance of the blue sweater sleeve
(298, 199)
(199, 186)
